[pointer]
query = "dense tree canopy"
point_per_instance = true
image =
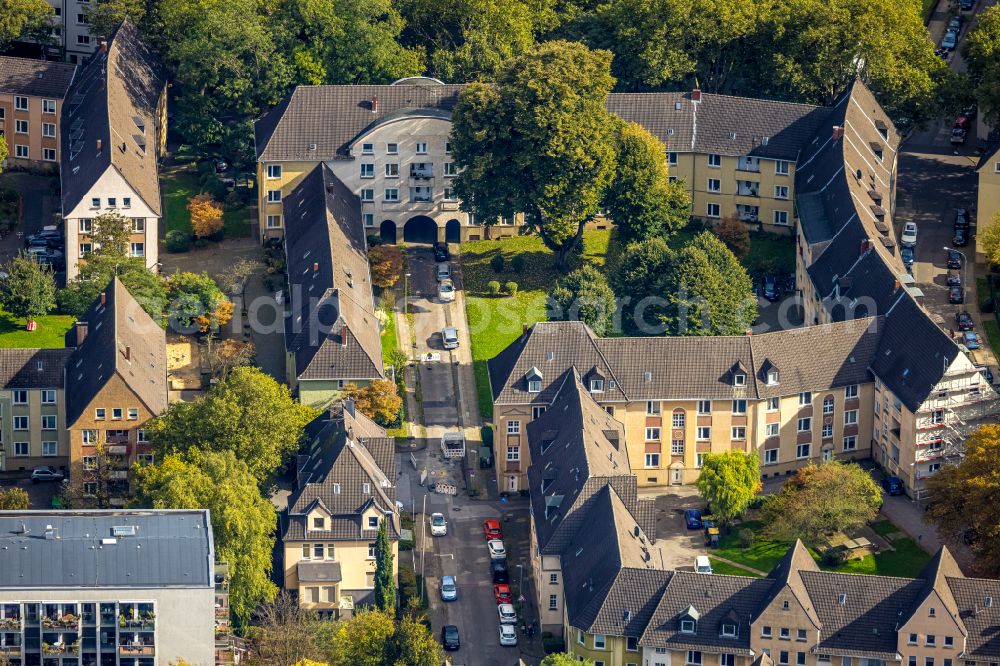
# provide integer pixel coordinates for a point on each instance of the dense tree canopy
(29, 290)
(24, 19)
(965, 495)
(584, 295)
(145, 286)
(729, 482)
(982, 54)
(197, 304)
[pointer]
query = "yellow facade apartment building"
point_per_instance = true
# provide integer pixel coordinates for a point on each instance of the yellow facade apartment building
(31, 100)
(988, 206)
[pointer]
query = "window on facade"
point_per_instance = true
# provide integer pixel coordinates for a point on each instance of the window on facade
(850, 443)
(137, 249)
(392, 170)
(596, 385)
(450, 169)
(805, 399)
(48, 422)
(714, 185)
(48, 396)
(800, 659)
(739, 432)
(677, 419)
(687, 626)
(49, 154)
(116, 413)
(513, 427)
(783, 657)
(739, 379)
(553, 602)
(553, 579)
(781, 217)
(713, 210)
(369, 219)
(828, 405)
(704, 433)
(391, 194)
(771, 430)
(89, 436)
(90, 488)
(48, 106)
(851, 417)
(274, 170)
(421, 148)
(949, 641)
(773, 404)
(368, 194)
(599, 642)
(274, 196)
(392, 148)
(677, 447)
(739, 406)
(699, 459)
(652, 434)
(631, 644)
(513, 453)
(20, 423)
(827, 430)
(800, 635)
(49, 130)
(50, 449)
(704, 406)
(780, 191)
(770, 456)
(21, 449)
(802, 451)
(20, 397)
(273, 221)
(728, 629)
(785, 634)
(367, 170)
(851, 391)
(781, 167)
(20, 103)
(805, 424)
(714, 160)
(652, 408)
(930, 640)
(765, 632)
(652, 460)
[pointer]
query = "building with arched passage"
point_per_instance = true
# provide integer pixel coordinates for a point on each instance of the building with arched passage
(389, 144)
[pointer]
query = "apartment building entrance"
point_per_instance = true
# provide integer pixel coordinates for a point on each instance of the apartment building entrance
(676, 474)
(453, 231)
(512, 483)
(387, 232)
(420, 229)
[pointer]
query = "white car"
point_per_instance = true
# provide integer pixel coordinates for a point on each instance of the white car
(702, 565)
(508, 636)
(909, 237)
(497, 551)
(443, 272)
(439, 526)
(449, 337)
(507, 614)
(446, 291)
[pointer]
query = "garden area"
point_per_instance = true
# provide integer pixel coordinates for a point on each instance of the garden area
(50, 332)
(181, 184)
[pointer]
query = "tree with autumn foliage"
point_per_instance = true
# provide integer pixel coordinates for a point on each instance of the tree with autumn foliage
(734, 233)
(206, 215)
(378, 400)
(386, 265)
(196, 303)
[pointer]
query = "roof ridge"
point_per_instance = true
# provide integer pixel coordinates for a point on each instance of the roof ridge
(764, 99)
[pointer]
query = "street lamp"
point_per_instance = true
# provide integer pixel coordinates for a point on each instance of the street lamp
(406, 290)
(965, 265)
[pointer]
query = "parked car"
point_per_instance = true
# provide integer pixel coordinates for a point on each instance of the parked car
(439, 526)
(966, 5)
(962, 218)
(44, 474)
(501, 592)
(964, 123)
(449, 337)
(964, 321)
(443, 272)
(950, 40)
(893, 485)
(491, 529)
(499, 570)
(906, 254)
(909, 236)
(507, 614)
(955, 24)
(961, 238)
(954, 278)
(955, 295)
(970, 339)
(954, 259)
(449, 637)
(497, 551)
(692, 517)
(702, 565)
(508, 635)
(449, 591)
(770, 289)
(441, 252)
(958, 135)
(446, 291)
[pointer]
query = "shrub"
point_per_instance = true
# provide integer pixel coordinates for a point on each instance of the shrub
(510, 287)
(233, 201)
(552, 644)
(832, 558)
(746, 538)
(177, 241)
(497, 263)
(374, 240)
(493, 288)
(517, 264)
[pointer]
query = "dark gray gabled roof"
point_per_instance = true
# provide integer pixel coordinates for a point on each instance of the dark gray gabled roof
(980, 621)
(168, 548)
(110, 94)
(345, 473)
(333, 331)
(121, 339)
(33, 368)
(576, 449)
(35, 78)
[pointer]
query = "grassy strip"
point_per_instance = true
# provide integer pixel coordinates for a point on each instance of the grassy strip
(49, 333)
(905, 561)
(992, 332)
(727, 569)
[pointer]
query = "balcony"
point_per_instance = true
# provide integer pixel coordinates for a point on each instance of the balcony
(421, 171)
(116, 437)
(747, 188)
(118, 449)
(67, 621)
(118, 474)
(10, 649)
(751, 164)
(136, 650)
(10, 623)
(748, 213)
(61, 649)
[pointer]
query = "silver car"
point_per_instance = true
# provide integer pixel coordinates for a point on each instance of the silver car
(449, 591)
(449, 337)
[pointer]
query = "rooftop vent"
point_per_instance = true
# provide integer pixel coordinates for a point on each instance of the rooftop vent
(312, 146)
(841, 599)
(123, 530)
(764, 140)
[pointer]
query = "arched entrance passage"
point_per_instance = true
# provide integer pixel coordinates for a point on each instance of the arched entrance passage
(387, 231)
(420, 229)
(453, 231)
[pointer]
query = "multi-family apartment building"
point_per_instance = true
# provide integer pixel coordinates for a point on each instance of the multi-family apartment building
(389, 144)
(116, 380)
(331, 329)
(31, 100)
(112, 134)
(128, 588)
(345, 488)
(988, 202)
(33, 409)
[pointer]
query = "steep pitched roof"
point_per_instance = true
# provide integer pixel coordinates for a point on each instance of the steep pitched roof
(345, 473)
(978, 603)
(935, 575)
(317, 122)
(786, 575)
(333, 330)
(110, 120)
(814, 357)
(121, 340)
(33, 368)
(37, 78)
(991, 149)
(576, 449)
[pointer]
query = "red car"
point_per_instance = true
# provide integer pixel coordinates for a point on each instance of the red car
(502, 593)
(491, 528)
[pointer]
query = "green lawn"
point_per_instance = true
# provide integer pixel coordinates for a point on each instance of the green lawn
(495, 322)
(178, 188)
(726, 569)
(49, 334)
(762, 555)
(905, 561)
(390, 342)
(884, 527)
(992, 332)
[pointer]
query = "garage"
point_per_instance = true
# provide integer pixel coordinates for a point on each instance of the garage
(420, 229)
(387, 231)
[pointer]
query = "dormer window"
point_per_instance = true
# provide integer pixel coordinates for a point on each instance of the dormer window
(729, 630)
(596, 385)
(689, 620)
(534, 385)
(772, 377)
(688, 626)
(319, 523)
(739, 379)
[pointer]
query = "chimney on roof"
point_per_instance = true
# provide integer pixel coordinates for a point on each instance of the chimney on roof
(866, 245)
(98, 146)
(50, 532)
(896, 285)
(81, 332)
(696, 93)
(374, 104)
(104, 47)
(316, 267)
(524, 329)
(104, 298)
(838, 132)
(343, 335)
(349, 406)
(128, 353)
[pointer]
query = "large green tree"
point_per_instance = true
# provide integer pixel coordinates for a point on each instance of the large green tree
(821, 499)
(247, 413)
(365, 640)
(385, 583)
(539, 141)
(243, 521)
(641, 200)
(564, 659)
(640, 278)
(145, 286)
(24, 19)
(415, 645)
(103, 16)
(29, 290)
(729, 482)
(584, 294)
(965, 505)
(197, 303)
(981, 50)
